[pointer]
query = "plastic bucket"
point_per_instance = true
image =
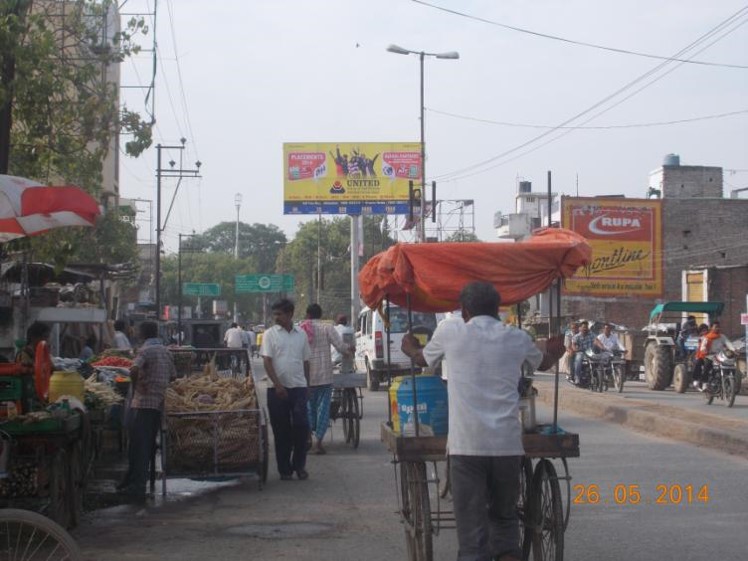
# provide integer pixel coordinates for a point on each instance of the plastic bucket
(433, 412)
(394, 386)
(66, 383)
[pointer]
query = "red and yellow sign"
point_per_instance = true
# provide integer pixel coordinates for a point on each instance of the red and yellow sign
(370, 171)
(626, 240)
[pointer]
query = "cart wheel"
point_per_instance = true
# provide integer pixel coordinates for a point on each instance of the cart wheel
(58, 483)
(354, 419)
(30, 536)
(523, 507)
(344, 414)
(546, 513)
(416, 511)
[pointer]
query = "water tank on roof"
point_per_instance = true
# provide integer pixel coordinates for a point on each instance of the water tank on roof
(525, 186)
(671, 160)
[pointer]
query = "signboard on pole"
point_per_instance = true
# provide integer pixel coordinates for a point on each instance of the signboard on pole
(201, 289)
(626, 240)
(264, 283)
(349, 178)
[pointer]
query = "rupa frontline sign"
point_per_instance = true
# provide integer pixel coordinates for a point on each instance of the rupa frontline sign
(349, 178)
(626, 240)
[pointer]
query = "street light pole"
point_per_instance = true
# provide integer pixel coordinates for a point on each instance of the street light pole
(238, 203)
(453, 55)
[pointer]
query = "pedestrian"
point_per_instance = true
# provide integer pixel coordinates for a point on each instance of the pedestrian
(121, 341)
(35, 334)
(321, 336)
(346, 333)
(88, 348)
(252, 340)
(485, 434)
(285, 355)
(151, 372)
(233, 337)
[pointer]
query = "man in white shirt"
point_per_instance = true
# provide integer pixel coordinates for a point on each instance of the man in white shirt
(233, 337)
(120, 339)
(285, 354)
(607, 340)
(485, 435)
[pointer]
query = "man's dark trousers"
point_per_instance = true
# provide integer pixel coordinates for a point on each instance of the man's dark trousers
(484, 494)
(290, 422)
(144, 425)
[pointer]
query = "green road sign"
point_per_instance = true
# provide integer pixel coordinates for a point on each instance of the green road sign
(264, 283)
(201, 289)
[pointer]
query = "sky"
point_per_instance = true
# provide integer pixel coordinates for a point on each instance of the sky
(237, 79)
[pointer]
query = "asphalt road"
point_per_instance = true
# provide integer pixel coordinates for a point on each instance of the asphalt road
(347, 509)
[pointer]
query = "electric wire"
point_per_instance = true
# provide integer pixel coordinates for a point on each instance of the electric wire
(575, 42)
(601, 127)
(466, 171)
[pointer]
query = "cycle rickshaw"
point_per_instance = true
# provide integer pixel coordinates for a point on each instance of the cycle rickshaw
(429, 277)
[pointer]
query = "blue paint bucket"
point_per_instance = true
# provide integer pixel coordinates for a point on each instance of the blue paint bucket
(433, 411)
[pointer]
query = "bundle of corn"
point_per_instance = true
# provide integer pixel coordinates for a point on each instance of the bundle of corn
(100, 395)
(210, 392)
(212, 425)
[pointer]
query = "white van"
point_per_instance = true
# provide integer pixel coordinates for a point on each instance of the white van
(371, 347)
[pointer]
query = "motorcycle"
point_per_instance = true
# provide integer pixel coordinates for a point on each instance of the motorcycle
(614, 367)
(721, 377)
(594, 365)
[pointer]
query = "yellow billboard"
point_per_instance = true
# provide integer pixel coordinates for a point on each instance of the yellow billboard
(626, 240)
(349, 178)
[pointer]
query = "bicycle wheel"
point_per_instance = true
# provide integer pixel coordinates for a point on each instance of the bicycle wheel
(619, 377)
(418, 526)
(547, 514)
(523, 507)
(344, 414)
(355, 419)
(728, 390)
(29, 536)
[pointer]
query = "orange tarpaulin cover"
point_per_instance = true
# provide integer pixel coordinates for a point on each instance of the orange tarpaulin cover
(435, 273)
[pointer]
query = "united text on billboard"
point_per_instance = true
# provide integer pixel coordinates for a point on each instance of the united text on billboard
(626, 240)
(349, 178)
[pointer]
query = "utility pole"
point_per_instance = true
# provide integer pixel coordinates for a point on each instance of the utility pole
(172, 171)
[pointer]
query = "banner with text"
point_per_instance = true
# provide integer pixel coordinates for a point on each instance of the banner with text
(349, 178)
(626, 240)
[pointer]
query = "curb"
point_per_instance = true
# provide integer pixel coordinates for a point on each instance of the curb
(701, 429)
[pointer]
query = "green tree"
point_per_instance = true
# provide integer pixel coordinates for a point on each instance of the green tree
(462, 236)
(319, 259)
(60, 108)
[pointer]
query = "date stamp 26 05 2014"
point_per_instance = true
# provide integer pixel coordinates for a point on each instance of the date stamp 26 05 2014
(635, 494)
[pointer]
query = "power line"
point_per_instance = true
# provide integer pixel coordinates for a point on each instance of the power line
(601, 127)
(575, 42)
(468, 171)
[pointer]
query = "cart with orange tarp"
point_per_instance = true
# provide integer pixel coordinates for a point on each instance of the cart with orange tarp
(429, 277)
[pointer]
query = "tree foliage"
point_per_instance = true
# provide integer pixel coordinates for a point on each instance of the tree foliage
(462, 236)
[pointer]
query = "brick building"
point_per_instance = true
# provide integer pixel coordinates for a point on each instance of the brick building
(701, 232)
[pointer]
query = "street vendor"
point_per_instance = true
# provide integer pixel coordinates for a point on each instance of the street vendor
(151, 372)
(485, 435)
(36, 333)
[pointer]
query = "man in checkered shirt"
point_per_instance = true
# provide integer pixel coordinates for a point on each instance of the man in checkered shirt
(151, 372)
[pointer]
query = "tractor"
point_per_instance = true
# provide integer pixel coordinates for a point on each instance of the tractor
(665, 361)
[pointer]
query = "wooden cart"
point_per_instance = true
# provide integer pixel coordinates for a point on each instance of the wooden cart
(49, 463)
(540, 505)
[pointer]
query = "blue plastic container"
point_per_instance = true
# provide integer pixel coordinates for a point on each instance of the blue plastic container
(433, 411)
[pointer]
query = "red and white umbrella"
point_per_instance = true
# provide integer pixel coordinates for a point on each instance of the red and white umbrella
(28, 208)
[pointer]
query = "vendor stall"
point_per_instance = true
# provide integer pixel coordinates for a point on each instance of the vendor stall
(429, 277)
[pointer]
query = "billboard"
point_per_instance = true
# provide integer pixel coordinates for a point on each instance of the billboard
(349, 178)
(626, 240)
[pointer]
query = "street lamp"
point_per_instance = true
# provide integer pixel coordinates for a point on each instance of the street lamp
(238, 203)
(452, 55)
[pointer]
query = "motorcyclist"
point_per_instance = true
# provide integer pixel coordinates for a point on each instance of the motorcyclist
(581, 342)
(607, 340)
(710, 344)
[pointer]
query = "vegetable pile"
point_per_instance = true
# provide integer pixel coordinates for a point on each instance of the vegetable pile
(118, 361)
